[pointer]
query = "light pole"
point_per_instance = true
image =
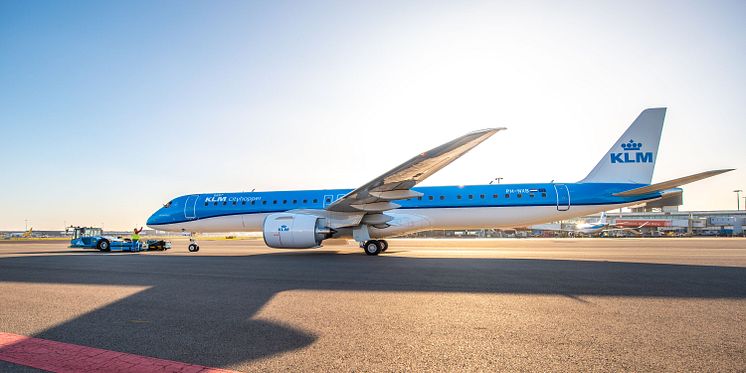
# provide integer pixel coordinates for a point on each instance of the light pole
(498, 180)
(738, 198)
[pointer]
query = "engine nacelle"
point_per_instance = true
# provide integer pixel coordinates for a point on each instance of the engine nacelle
(294, 231)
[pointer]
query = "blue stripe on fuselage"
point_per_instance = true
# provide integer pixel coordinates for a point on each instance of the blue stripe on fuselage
(496, 195)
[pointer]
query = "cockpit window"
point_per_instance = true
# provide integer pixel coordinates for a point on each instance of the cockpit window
(167, 205)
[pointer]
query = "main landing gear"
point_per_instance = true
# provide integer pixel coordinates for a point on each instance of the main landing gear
(375, 247)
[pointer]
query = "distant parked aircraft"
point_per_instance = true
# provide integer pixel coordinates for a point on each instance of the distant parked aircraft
(26, 234)
(591, 228)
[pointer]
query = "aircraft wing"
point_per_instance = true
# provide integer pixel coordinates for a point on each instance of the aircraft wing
(377, 194)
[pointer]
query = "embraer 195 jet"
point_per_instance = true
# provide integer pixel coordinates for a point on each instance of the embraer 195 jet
(391, 204)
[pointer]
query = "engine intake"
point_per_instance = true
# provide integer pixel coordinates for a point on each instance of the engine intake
(294, 231)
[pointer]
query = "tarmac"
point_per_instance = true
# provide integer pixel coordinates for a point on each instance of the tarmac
(654, 304)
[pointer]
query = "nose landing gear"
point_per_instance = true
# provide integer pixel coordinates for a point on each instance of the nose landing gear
(193, 246)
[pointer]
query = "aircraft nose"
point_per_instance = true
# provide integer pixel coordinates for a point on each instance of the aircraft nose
(152, 220)
(159, 217)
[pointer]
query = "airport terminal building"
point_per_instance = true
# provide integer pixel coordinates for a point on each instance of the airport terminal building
(693, 223)
(648, 222)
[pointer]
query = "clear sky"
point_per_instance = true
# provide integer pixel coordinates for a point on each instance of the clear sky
(108, 109)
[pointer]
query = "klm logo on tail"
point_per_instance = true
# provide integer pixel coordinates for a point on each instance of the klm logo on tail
(629, 157)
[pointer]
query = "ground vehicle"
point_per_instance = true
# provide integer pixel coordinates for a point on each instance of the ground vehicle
(93, 238)
(161, 245)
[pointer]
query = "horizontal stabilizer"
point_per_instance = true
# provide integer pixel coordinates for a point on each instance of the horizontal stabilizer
(671, 183)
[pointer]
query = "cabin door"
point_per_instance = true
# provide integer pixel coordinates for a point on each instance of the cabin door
(563, 197)
(190, 207)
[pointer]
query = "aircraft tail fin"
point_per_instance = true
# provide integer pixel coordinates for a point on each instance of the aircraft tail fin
(632, 158)
(602, 220)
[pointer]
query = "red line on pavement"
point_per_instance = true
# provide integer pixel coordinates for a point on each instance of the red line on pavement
(65, 357)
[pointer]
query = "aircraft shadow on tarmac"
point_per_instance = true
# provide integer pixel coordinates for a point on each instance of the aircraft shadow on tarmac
(199, 309)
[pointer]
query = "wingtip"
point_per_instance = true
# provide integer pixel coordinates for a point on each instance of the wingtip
(488, 130)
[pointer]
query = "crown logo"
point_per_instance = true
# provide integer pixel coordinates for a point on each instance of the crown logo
(631, 145)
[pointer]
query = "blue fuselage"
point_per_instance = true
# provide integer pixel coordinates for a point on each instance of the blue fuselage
(564, 197)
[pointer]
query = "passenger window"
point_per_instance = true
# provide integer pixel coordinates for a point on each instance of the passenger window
(458, 196)
(507, 195)
(284, 201)
(295, 201)
(252, 203)
(494, 196)
(264, 202)
(471, 196)
(305, 201)
(531, 195)
(243, 202)
(543, 195)
(215, 204)
(430, 197)
(442, 197)
(520, 195)
(225, 203)
(206, 203)
(481, 196)
(234, 203)
(419, 198)
(315, 200)
(274, 202)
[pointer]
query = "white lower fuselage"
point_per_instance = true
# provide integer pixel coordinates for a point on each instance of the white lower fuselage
(414, 220)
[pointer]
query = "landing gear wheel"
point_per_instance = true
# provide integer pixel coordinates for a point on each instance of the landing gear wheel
(193, 247)
(372, 247)
(384, 245)
(103, 245)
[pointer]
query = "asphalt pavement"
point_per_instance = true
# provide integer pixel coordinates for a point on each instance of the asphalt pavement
(426, 305)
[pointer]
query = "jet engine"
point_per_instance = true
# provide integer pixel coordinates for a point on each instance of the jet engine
(294, 231)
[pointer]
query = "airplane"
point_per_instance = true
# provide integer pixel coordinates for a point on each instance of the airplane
(593, 228)
(26, 234)
(590, 228)
(391, 204)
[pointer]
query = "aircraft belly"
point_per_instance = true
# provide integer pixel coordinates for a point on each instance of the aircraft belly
(488, 217)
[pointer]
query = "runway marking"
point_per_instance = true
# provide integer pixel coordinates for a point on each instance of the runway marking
(65, 357)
